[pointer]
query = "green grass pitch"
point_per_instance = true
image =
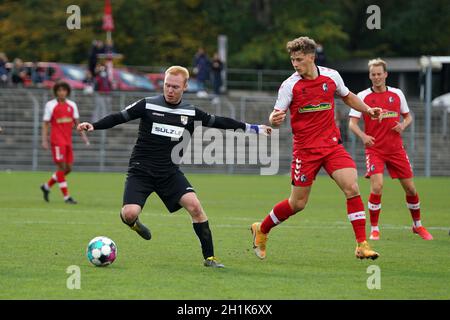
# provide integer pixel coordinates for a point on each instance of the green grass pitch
(309, 257)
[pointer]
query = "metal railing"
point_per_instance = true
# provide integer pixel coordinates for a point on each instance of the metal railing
(21, 117)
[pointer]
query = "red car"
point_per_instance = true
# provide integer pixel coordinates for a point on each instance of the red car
(50, 72)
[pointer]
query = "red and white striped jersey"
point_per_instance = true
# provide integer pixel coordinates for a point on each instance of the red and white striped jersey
(311, 106)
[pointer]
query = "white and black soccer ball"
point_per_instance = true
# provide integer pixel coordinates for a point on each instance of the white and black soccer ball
(101, 251)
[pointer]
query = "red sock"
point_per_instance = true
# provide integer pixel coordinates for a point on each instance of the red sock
(62, 183)
(374, 207)
(357, 216)
(279, 213)
(52, 181)
(413, 204)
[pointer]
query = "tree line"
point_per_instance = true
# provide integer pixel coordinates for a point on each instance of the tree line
(152, 32)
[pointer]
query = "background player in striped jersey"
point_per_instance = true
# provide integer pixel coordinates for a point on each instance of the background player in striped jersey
(309, 96)
(61, 114)
(384, 146)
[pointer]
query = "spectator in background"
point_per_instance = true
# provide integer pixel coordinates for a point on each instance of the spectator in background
(89, 82)
(201, 71)
(96, 48)
(103, 88)
(3, 70)
(18, 72)
(321, 59)
(38, 75)
(217, 67)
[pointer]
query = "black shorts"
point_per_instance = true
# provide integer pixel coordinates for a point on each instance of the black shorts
(170, 189)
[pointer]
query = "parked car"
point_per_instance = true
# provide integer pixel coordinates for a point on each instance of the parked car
(52, 72)
(130, 81)
(158, 81)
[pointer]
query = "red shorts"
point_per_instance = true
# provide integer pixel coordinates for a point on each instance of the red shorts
(306, 163)
(397, 164)
(62, 154)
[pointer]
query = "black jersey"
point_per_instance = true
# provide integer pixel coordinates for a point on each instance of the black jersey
(161, 128)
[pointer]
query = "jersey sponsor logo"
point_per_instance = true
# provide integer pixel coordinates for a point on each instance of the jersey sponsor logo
(387, 114)
(64, 120)
(314, 108)
(166, 130)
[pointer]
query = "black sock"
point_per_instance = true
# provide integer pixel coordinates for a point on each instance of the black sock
(204, 235)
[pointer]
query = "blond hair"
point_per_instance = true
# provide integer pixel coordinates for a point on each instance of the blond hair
(303, 44)
(377, 63)
(176, 70)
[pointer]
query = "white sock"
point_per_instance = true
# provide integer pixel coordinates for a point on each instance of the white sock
(417, 223)
(374, 228)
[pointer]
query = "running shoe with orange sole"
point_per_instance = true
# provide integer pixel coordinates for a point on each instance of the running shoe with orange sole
(259, 240)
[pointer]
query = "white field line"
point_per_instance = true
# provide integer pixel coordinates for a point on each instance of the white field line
(237, 226)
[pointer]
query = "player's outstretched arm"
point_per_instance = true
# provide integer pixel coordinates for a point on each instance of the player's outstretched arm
(225, 123)
(353, 101)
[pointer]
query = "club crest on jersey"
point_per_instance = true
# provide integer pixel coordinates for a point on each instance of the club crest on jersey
(325, 87)
(372, 168)
(184, 120)
(391, 99)
(303, 178)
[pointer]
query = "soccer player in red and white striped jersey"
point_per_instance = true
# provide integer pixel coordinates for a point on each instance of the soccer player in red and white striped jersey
(309, 96)
(384, 146)
(61, 114)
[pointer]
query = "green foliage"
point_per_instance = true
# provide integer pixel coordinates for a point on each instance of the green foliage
(153, 32)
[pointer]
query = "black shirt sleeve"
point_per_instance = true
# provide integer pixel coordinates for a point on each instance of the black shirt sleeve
(132, 112)
(213, 121)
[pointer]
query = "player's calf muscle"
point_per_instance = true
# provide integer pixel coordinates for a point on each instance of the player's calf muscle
(297, 205)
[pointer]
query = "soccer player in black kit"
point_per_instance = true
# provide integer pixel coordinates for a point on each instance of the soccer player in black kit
(164, 118)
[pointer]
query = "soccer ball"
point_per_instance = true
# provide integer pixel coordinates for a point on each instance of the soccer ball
(101, 251)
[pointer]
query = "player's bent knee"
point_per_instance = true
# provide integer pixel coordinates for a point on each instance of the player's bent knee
(130, 212)
(194, 207)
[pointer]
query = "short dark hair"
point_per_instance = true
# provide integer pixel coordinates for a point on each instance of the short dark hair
(61, 84)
